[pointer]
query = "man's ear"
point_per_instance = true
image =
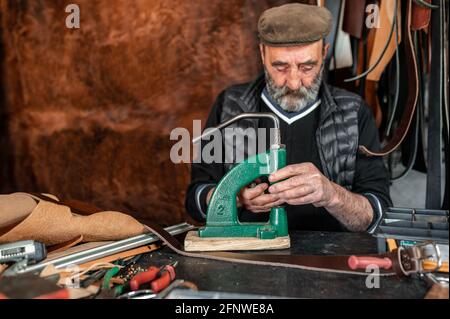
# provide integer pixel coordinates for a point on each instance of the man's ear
(325, 50)
(261, 50)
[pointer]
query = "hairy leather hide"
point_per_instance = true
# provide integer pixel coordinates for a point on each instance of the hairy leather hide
(87, 113)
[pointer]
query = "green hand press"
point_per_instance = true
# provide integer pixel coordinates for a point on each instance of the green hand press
(222, 214)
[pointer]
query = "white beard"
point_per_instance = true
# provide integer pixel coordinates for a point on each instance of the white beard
(294, 101)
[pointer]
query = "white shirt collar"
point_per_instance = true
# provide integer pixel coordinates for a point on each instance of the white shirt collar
(284, 117)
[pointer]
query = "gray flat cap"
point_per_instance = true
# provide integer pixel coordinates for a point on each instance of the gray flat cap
(294, 24)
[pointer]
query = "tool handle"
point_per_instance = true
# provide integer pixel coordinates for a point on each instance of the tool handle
(60, 294)
(355, 262)
(143, 277)
(167, 275)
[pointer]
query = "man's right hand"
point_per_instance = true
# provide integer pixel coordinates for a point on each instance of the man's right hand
(255, 200)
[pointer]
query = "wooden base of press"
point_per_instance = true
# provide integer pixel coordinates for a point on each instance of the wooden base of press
(193, 242)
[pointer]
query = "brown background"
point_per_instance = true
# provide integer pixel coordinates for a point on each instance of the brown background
(86, 113)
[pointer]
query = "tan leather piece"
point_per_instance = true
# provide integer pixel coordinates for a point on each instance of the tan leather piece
(15, 207)
(65, 245)
(123, 255)
(54, 224)
(76, 206)
(386, 17)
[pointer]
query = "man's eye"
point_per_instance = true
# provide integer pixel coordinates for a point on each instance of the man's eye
(281, 69)
(307, 68)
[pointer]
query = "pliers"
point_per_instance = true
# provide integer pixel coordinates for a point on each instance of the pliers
(159, 277)
(115, 270)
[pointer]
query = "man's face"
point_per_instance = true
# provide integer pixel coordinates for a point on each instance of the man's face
(294, 74)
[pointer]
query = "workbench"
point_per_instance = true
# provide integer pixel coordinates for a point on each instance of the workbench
(211, 275)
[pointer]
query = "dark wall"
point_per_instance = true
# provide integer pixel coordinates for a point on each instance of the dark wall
(86, 113)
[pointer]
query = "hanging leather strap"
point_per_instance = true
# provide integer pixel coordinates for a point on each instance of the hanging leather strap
(413, 91)
(436, 94)
(445, 107)
(420, 17)
(387, 9)
(354, 12)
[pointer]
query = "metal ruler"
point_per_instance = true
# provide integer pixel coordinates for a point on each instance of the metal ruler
(104, 250)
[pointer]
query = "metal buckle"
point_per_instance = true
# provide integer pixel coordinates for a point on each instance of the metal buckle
(411, 258)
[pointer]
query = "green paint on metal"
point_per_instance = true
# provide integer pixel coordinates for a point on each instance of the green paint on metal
(222, 215)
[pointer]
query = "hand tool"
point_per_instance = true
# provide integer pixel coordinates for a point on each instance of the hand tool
(30, 286)
(222, 215)
(355, 262)
(160, 277)
(96, 276)
(427, 264)
(121, 263)
(107, 249)
(413, 259)
(109, 274)
(22, 253)
(150, 294)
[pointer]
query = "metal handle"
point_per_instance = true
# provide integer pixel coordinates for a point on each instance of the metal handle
(271, 116)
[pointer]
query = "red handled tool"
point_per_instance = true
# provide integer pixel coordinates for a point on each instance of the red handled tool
(160, 278)
(143, 277)
(355, 262)
(167, 275)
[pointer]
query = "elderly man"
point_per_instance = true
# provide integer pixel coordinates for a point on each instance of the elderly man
(327, 184)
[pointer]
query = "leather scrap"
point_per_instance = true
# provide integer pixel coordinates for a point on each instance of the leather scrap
(65, 245)
(122, 255)
(14, 208)
(54, 224)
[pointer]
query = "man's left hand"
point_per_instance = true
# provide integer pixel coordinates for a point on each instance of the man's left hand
(301, 184)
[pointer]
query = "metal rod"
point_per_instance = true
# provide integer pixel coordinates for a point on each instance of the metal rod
(105, 250)
(271, 116)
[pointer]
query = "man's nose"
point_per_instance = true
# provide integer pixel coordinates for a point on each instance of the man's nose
(294, 80)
